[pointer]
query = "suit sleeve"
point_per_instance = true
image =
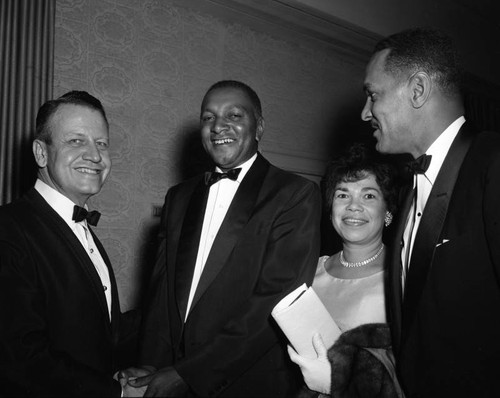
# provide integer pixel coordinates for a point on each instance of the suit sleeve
(29, 364)
(289, 259)
(155, 341)
(492, 212)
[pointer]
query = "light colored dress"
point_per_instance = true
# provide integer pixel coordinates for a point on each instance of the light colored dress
(351, 302)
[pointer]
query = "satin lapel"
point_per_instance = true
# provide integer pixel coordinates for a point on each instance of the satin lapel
(188, 245)
(67, 237)
(395, 266)
(115, 301)
(236, 218)
(431, 225)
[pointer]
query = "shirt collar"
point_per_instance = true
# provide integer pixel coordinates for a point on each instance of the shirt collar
(244, 168)
(60, 203)
(440, 147)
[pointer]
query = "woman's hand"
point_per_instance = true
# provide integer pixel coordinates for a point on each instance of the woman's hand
(317, 372)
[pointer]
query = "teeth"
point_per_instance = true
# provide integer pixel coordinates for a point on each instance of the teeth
(88, 171)
(354, 221)
(224, 141)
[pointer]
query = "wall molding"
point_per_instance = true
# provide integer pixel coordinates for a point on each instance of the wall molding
(297, 162)
(297, 18)
(287, 18)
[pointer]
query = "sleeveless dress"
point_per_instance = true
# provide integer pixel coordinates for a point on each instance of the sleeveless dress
(351, 302)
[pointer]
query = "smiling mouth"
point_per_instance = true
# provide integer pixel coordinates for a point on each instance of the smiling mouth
(223, 141)
(354, 221)
(85, 170)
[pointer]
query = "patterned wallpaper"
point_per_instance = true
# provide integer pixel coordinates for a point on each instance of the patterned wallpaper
(150, 62)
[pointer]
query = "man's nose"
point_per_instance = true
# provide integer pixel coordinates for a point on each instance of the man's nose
(92, 153)
(366, 113)
(219, 125)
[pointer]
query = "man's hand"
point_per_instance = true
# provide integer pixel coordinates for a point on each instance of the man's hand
(165, 382)
(129, 391)
(317, 372)
(123, 376)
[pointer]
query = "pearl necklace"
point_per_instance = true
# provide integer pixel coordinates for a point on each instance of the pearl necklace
(360, 263)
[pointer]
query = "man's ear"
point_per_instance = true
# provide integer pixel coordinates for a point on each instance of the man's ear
(260, 128)
(40, 153)
(421, 87)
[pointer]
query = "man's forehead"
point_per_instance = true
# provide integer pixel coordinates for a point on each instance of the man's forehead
(233, 95)
(68, 117)
(74, 110)
(376, 70)
(377, 61)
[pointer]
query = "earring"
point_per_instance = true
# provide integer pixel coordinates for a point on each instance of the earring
(388, 218)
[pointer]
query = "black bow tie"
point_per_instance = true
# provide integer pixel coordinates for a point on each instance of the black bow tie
(80, 214)
(420, 164)
(212, 177)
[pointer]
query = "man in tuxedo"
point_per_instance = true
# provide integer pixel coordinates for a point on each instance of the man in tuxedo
(60, 321)
(444, 287)
(232, 244)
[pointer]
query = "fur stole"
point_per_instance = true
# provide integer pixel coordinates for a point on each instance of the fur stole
(362, 365)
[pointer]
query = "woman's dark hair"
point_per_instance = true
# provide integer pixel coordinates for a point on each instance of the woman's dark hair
(356, 163)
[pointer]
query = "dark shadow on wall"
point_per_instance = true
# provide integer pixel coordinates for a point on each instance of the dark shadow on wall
(18, 171)
(28, 168)
(348, 128)
(192, 160)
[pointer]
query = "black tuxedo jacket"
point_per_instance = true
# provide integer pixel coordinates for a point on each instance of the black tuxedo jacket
(267, 245)
(55, 334)
(446, 330)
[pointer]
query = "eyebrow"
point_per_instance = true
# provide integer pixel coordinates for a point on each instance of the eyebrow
(229, 107)
(344, 189)
(74, 132)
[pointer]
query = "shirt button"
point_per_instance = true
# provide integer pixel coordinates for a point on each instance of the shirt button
(92, 250)
(105, 288)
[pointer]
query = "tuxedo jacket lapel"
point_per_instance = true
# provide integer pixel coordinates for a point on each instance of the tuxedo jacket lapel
(188, 245)
(68, 238)
(431, 225)
(115, 303)
(395, 266)
(236, 218)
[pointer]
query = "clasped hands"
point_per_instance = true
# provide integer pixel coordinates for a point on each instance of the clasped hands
(147, 381)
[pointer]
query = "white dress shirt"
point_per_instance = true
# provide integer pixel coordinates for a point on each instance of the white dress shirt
(64, 207)
(220, 196)
(424, 183)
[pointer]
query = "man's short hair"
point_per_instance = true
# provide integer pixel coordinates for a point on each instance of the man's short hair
(49, 108)
(427, 50)
(252, 95)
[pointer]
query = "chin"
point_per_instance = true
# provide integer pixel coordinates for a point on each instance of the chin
(224, 163)
(380, 147)
(89, 191)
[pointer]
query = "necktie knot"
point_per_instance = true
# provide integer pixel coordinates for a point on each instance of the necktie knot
(420, 164)
(80, 214)
(214, 176)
